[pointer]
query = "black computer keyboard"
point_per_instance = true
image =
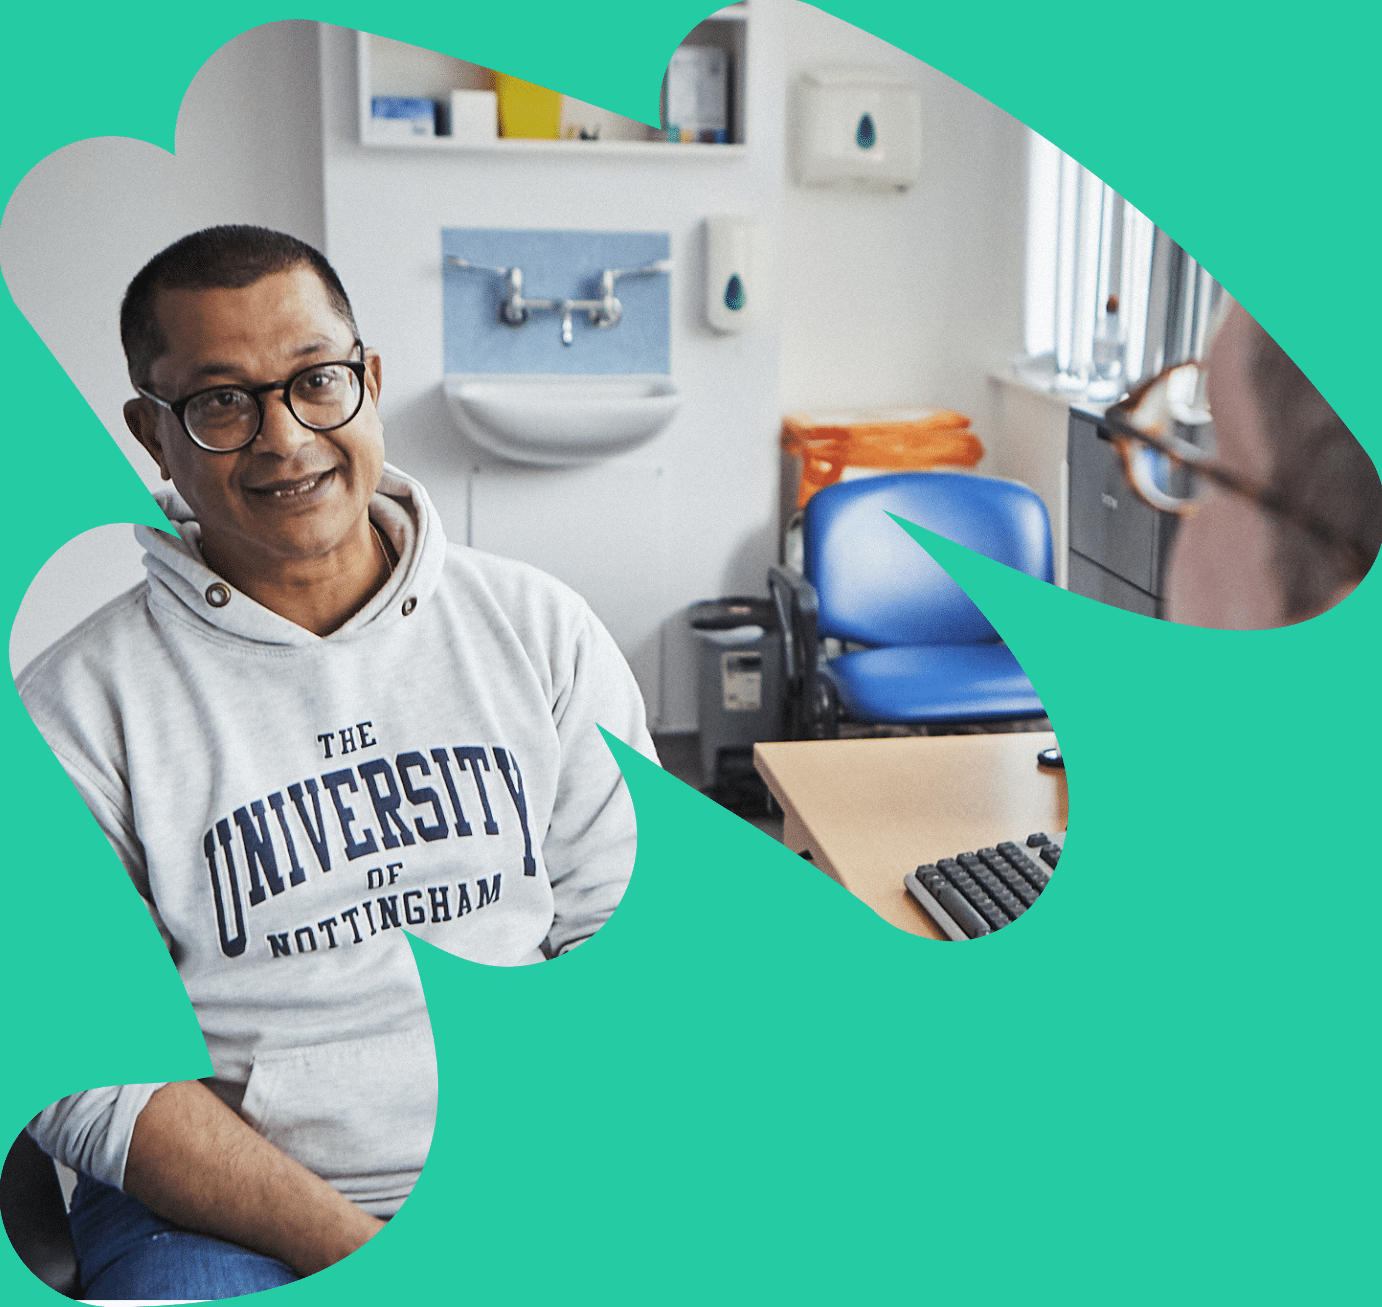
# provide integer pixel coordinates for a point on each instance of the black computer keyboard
(974, 894)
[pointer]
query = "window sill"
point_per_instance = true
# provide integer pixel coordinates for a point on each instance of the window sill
(1062, 399)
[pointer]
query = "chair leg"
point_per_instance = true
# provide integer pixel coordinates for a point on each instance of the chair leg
(795, 600)
(828, 710)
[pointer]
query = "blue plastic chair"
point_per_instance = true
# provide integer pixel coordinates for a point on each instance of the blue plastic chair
(931, 655)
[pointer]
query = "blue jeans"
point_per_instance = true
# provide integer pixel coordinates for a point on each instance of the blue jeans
(125, 1251)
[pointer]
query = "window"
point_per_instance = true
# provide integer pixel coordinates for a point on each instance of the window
(1109, 297)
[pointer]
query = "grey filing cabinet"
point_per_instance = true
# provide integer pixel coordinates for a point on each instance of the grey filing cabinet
(1118, 545)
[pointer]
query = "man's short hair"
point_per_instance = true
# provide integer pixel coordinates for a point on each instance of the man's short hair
(1320, 467)
(217, 258)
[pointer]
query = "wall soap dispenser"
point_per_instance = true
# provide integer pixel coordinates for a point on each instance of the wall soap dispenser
(859, 129)
(730, 288)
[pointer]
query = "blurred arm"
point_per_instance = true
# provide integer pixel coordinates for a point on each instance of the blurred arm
(196, 1163)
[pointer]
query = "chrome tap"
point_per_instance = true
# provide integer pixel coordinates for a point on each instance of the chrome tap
(611, 310)
(604, 312)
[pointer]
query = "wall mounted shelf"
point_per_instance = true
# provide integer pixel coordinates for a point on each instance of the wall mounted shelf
(388, 67)
(642, 149)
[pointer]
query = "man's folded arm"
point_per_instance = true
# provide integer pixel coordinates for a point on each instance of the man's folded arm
(179, 1149)
(196, 1163)
(184, 1154)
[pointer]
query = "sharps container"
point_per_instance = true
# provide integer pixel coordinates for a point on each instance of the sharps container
(739, 683)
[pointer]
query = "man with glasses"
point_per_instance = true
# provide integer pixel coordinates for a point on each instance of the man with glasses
(313, 726)
(1284, 517)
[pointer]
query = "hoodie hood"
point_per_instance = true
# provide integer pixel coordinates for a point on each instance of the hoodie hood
(179, 581)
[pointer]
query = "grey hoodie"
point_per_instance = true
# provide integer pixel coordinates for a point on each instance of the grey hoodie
(289, 804)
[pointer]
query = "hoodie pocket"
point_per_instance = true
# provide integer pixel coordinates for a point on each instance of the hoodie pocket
(358, 1112)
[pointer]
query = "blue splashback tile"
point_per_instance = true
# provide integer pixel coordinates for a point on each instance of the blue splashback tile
(556, 265)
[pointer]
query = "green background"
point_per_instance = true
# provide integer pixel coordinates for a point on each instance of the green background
(749, 1087)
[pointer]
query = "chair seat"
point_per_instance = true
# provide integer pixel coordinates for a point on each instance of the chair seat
(933, 683)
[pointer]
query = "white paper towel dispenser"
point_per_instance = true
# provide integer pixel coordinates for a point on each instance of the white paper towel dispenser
(859, 129)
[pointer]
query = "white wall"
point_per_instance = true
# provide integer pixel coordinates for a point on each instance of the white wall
(384, 212)
(87, 218)
(908, 298)
(864, 298)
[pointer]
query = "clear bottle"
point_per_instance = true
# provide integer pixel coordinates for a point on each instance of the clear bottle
(1107, 382)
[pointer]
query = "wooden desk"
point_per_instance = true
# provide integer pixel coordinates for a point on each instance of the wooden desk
(868, 811)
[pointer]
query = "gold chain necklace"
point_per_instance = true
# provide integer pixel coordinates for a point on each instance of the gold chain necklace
(383, 549)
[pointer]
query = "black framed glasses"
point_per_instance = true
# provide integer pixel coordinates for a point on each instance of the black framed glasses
(222, 419)
(1154, 430)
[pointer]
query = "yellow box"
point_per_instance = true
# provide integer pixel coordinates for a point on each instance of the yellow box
(526, 110)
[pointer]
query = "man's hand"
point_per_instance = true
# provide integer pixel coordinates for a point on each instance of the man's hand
(196, 1163)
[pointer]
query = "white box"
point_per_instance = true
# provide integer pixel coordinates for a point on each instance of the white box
(398, 129)
(474, 116)
(698, 94)
(401, 118)
(859, 129)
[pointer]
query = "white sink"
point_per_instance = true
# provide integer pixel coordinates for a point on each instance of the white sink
(558, 420)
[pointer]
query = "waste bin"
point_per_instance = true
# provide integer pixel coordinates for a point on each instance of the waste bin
(739, 694)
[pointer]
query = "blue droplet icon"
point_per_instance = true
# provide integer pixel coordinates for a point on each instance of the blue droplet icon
(734, 293)
(866, 135)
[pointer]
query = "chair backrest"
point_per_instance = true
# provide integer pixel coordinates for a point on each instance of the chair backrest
(35, 1216)
(874, 583)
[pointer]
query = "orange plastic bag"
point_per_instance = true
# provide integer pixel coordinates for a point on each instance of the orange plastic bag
(903, 438)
